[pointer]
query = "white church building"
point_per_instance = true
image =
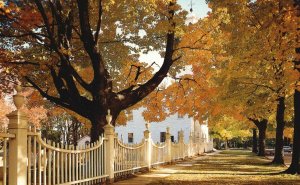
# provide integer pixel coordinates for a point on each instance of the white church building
(133, 131)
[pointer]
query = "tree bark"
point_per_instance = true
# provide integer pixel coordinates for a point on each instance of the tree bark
(262, 127)
(98, 122)
(278, 157)
(254, 141)
(95, 132)
(295, 165)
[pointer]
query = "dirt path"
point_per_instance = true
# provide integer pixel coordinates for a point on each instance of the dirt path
(226, 168)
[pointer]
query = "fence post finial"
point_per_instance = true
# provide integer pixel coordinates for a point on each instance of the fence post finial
(17, 154)
(18, 98)
(108, 117)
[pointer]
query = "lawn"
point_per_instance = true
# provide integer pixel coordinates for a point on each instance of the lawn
(227, 167)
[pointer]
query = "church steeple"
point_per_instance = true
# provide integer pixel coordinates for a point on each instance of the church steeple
(191, 17)
(191, 9)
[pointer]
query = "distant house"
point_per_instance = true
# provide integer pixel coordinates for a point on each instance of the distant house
(133, 131)
(85, 140)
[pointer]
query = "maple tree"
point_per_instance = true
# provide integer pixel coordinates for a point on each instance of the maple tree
(193, 90)
(295, 164)
(225, 93)
(74, 52)
(227, 128)
(262, 62)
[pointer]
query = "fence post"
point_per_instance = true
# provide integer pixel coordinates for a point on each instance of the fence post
(148, 144)
(17, 156)
(181, 143)
(169, 145)
(204, 144)
(109, 148)
(191, 153)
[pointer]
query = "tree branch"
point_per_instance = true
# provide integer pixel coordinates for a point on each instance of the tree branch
(56, 100)
(100, 11)
(47, 24)
(258, 85)
(23, 63)
(136, 95)
(79, 79)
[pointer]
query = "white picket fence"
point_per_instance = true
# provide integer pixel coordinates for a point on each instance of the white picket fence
(51, 163)
(28, 159)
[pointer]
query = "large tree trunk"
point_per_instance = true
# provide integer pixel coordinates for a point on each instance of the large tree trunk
(98, 123)
(295, 165)
(95, 132)
(262, 127)
(278, 157)
(254, 141)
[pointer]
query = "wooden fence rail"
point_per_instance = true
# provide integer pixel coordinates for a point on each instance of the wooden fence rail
(28, 159)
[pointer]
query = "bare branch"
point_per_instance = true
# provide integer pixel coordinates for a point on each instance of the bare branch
(192, 48)
(258, 85)
(23, 63)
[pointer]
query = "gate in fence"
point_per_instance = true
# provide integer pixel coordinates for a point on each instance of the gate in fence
(28, 159)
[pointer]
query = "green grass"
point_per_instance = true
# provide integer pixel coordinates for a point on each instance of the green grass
(228, 168)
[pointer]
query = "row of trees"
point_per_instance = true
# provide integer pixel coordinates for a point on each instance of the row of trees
(241, 62)
(257, 77)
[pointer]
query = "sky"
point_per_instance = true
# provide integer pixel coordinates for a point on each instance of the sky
(200, 8)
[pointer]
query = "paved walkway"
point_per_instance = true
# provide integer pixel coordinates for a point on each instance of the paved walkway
(159, 173)
(232, 167)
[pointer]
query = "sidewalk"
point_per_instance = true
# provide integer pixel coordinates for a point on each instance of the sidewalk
(159, 173)
(232, 167)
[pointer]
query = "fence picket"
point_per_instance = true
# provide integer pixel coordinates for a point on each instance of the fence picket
(58, 166)
(45, 165)
(54, 163)
(29, 155)
(49, 165)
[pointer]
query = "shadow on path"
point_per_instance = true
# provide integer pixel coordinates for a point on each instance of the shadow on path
(226, 168)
